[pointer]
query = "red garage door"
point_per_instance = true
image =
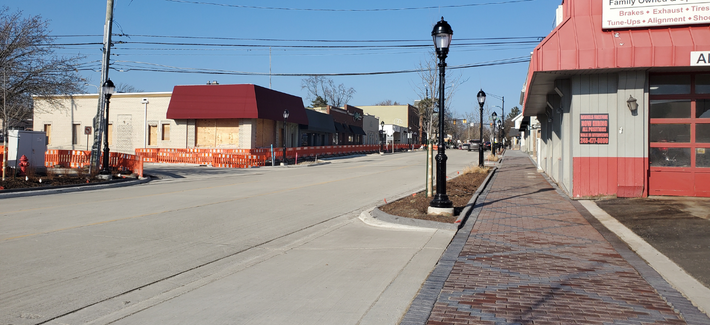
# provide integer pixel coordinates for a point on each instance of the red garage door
(679, 134)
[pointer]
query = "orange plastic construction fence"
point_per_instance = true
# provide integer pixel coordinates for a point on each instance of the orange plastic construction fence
(124, 163)
(230, 158)
(245, 158)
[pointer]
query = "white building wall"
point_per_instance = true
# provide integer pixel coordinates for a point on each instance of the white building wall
(371, 125)
(126, 115)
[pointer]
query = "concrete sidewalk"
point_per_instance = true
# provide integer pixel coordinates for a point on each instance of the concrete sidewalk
(342, 271)
(531, 255)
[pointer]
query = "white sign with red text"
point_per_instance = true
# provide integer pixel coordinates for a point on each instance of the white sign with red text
(649, 13)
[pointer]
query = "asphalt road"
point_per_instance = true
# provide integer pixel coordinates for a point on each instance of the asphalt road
(257, 242)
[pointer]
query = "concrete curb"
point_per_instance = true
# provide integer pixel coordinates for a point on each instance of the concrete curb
(369, 218)
(384, 217)
(319, 164)
(6, 194)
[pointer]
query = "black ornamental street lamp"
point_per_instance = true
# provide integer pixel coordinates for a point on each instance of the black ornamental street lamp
(283, 160)
(494, 117)
(441, 204)
(382, 136)
(500, 135)
(108, 90)
(481, 100)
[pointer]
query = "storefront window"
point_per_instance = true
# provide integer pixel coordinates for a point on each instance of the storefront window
(670, 109)
(702, 133)
(702, 108)
(702, 157)
(670, 157)
(702, 84)
(673, 84)
(670, 133)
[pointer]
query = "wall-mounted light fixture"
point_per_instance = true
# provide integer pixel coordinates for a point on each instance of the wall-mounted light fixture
(632, 104)
(559, 92)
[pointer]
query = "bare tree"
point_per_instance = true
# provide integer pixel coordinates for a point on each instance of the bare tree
(476, 116)
(125, 88)
(315, 85)
(325, 88)
(428, 89)
(30, 67)
(388, 102)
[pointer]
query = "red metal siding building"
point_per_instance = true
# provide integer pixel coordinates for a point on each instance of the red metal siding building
(601, 61)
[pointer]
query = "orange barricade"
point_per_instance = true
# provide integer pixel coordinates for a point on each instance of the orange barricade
(148, 155)
(126, 163)
(78, 158)
(245, 158)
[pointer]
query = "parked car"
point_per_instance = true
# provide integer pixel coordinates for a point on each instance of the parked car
(475, 144)
(487, 145)
(465, 146)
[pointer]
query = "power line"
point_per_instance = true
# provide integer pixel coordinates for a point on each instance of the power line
(314, 46)
(538, 38)
(349, 10)
(130, 66)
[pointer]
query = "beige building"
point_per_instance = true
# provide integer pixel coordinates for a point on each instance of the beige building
(401, 121)
(213, 116)
(135, 121)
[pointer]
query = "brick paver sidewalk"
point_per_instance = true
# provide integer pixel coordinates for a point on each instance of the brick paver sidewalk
(532, 258)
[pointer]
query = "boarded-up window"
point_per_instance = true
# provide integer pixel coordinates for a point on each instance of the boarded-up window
(165, 132)
(205, 130)
(48, 132)
(152, 135)
(75, 132)
(217, 133)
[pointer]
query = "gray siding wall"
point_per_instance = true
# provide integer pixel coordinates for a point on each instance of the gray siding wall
(628, 131)
(595, 94)
(632, 127)
(607, 94)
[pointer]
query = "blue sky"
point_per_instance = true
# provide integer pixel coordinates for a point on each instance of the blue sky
(225, 22)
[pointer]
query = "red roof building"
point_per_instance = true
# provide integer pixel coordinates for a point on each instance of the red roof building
(621, 90)
(241, 116)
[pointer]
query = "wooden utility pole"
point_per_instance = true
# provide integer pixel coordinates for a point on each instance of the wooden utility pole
(4, 122)
(98, 126)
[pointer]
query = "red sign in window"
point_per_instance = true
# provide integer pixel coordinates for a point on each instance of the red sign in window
(594, 129)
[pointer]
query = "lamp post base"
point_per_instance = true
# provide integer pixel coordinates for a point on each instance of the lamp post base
(106, 177)
(444, 212)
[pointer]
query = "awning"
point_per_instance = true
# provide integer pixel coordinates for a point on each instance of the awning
(357, 130)
(342, 128)
(525, 123)
(579, 45)
(319, 122)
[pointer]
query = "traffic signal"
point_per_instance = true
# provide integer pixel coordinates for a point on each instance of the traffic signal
(454, 122)
(464, 121)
